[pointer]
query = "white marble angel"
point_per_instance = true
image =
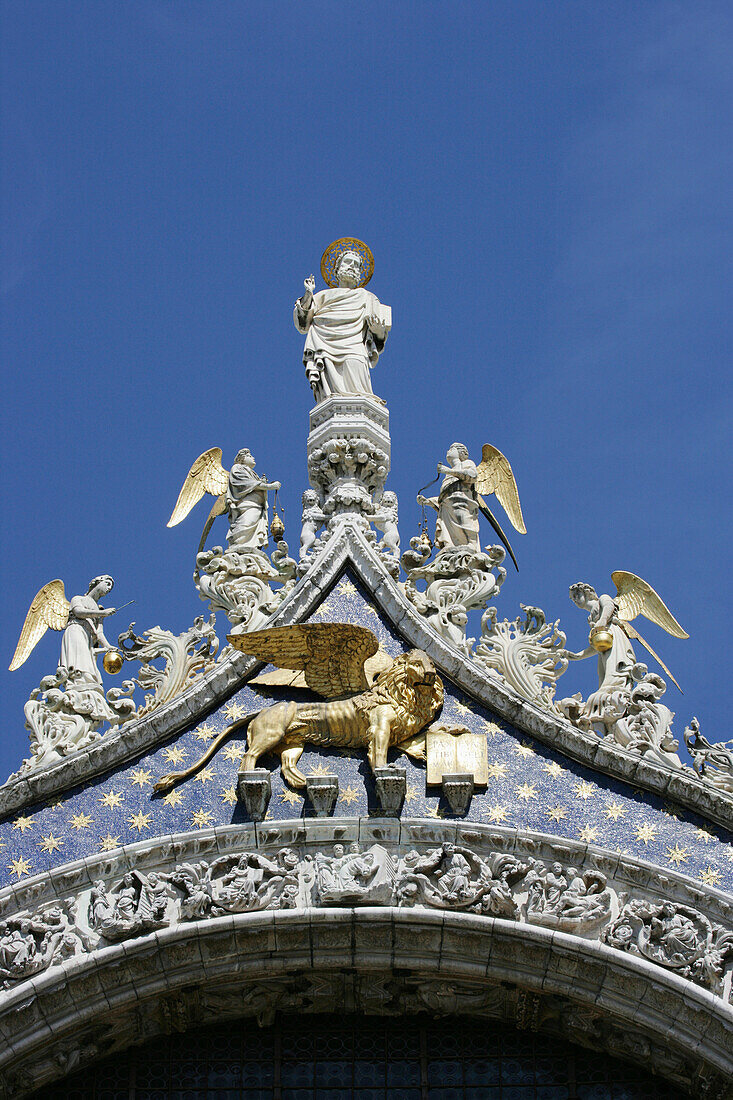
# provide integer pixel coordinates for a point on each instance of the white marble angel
(345, 326)
(461, 497)
(80, 618)
(610, 636)
(240, 493)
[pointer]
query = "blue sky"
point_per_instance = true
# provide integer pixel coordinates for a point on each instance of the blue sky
(546, 190)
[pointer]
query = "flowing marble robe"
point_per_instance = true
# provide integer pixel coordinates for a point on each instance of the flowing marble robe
(458, 523)
(338, 340)
(247, 503)
(81, 637)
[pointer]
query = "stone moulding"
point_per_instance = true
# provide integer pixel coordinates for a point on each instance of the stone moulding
(348, 547)
(348, 915)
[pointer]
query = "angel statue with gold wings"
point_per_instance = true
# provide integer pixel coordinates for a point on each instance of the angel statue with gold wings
(80, 618)
(610, 619)
(239, 492)
(461, 497)
(371, 701)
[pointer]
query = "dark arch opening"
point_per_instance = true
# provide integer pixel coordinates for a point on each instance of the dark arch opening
(361, 1058)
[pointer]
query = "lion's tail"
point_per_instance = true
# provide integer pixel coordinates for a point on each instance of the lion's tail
(167, 781)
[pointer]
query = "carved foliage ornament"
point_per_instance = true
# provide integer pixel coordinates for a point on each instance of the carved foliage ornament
(450, 876)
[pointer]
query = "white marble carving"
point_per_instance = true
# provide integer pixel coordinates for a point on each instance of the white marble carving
(570, 895)
(526, 653)
(184, 656)
(66, 712)
(712, 762)
(566, 900)
(354, 877)
(458, 580)
(346, 328)
(676, 937)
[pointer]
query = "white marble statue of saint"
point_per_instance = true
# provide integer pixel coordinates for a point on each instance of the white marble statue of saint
(345, 326)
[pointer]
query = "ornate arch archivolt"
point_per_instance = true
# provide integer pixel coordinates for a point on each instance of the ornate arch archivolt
(399, 918)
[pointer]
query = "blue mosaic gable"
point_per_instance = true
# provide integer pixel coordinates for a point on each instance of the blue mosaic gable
(530, 786)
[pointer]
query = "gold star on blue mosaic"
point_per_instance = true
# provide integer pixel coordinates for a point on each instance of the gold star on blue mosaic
(23, 822)
(139, 821)
(286, 795)
(492, 728)
(208, 733)
(173, 798)
(111, 799)
(711, 876)
(526, 791)
(677, 854)
(553, 768)
(229, 795)
(201, 818)
(19, 867)
(349, 795)
(645, 832)
(233, 753)
(140, 777)
(410, 793)
(175, 754)
(588, 834)
(51, 843)
(584, 790)
(525, 749)
(319, 769)
(705, 836)
(233, 711)
(205, 775)
(614, 810)
(497, 771)
(108, 843)
(497, 813)
(556, 813)
(80, 821)
(346, 588)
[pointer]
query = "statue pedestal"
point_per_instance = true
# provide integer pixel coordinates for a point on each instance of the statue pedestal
(349, 453)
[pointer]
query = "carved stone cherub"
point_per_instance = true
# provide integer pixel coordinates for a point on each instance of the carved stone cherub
(385, 520)
(313, 518)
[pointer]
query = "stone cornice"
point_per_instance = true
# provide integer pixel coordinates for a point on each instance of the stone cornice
(403, 938)
(347, 546)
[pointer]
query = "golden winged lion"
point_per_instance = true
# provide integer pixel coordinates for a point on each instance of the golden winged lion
(334, 658)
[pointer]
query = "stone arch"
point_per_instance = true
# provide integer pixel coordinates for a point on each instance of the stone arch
(381, 959)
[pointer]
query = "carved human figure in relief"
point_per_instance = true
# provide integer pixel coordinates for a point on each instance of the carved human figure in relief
(345, 326)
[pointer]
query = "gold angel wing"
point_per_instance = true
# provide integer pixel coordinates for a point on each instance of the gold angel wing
(636, 597)
(207, 475)
(495, 475)
(49, 608)
(332, 655)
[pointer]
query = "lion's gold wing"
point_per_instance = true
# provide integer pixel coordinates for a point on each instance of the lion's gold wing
(207, 475)
(49, 608)
(495, 475)
(332, 655)
(636, 597)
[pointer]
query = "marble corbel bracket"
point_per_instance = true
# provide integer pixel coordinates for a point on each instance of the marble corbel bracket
(458, 792)
(322, 793)
(254, 790)
(391, 785)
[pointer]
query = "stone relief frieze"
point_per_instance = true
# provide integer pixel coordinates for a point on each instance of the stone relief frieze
(567, 895)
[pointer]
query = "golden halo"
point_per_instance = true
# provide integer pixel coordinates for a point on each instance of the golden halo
(346, 244)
